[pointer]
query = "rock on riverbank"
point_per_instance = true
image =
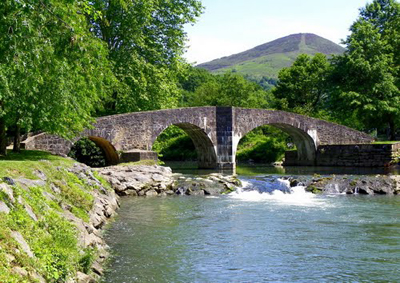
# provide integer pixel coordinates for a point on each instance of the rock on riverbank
(158, 180)
(351, 184)
(139, 180)
(105, 205)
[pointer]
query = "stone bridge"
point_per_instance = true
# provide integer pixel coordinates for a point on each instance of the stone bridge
(215, 132)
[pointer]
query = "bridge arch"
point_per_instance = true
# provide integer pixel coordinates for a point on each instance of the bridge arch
(206, 150)
(304, 131)
(305, 143)
(110, 153)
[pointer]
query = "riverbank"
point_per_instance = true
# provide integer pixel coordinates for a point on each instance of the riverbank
(52, 213)
(53, 210)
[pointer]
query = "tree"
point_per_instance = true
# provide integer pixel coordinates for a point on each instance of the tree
(230, 89)
(367, 76)
(53, 70)
(145, 41)
(302, 87)
(5, 95)
(189, 79)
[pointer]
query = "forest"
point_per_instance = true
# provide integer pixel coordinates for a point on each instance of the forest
(64, 63)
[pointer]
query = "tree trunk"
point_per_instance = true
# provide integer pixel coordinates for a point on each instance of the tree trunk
(392, 130)
(17, 139)
(3, 137)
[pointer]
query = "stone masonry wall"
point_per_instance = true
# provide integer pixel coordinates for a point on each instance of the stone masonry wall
(215, 132)
(359, 155)
(362, 155)
(47, 142)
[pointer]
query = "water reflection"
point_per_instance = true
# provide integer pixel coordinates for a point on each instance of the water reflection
(260, 169)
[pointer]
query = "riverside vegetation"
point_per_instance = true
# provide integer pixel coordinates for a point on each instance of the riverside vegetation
(52, 211)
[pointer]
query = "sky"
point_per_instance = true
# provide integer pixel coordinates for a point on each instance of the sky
(230, 26)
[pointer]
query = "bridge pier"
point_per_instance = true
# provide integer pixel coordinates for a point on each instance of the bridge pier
(224, 131)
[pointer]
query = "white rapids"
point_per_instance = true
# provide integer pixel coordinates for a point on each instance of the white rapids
(275, 190)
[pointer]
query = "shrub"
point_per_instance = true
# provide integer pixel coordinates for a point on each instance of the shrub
(174, 144)
(87, 152)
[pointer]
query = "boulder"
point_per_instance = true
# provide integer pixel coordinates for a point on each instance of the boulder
(28, 183)
(30, 212)
(37, 277)
(40, 175)
(8, 191)
(21, 241)
(352, 184)
(84, 278)
(138, 180)
(9, 181)
(4, 208)
(151, 193)
(20, 271)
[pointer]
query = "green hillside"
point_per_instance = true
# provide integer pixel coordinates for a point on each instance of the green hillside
(267, 59)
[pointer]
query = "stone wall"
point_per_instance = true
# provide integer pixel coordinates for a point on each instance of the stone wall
(47, 142)
(358, 155)
(137, 155)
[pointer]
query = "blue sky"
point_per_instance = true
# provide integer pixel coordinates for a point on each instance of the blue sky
(231, 26)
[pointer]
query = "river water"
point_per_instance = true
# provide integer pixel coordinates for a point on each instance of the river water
(264, 232)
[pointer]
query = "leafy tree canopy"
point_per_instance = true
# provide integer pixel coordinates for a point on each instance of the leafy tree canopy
(367, 76)
(53, 70)
(302, 87)
(145, 40)
(63, 60)
(200, 88)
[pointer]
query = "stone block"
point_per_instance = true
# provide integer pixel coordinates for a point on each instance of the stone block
(137, 155)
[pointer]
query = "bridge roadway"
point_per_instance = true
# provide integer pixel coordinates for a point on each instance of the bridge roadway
(215, 132)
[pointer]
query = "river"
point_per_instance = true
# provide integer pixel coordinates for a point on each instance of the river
(261, 233)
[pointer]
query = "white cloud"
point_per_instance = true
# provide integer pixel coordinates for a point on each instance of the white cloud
(206, 48)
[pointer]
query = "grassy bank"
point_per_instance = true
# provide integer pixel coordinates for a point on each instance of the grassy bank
(37, 191)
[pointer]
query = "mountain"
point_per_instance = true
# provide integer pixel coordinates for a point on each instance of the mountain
(267, 59)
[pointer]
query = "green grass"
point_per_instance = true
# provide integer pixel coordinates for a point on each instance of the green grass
(53, 239)
(24, 164)
(147, 162)
(386, 142)
(30, 155)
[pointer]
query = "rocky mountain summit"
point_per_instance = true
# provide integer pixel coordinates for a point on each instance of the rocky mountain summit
(268, 58)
